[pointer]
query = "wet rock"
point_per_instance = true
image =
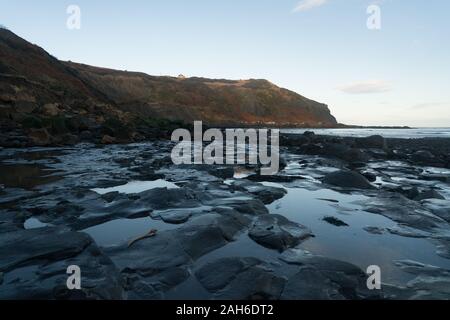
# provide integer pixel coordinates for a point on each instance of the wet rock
(418, 268)
(422, 156)
(310, 284)
(435, 177)
(175, 216)
(175, 248)
(21, 247)
(240, 278)
(247, 206)
(309, 134)
(277, 232)
(312, 148)
(218, 274)
(344, 152)
(24, 106)
(142, 290)
(279, 178)
(431, 283)
(295, 256)
(374, 230)
(375, 141)
(443, 248)
(402, 210)
(39, 137)
(264, 193)
(347, 179)
(51, 109)
(86, 135)
(370, 176)
(404, 231)
(35, 264)
(430, 288)
(335, 221)
(429, 194)
(323, 278)
(438, 207)
(222, 172)
(150, 255)
(106, 139)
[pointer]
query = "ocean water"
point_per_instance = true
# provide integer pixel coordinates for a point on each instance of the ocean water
(387, 133)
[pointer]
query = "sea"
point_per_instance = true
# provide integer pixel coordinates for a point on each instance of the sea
(412, 133)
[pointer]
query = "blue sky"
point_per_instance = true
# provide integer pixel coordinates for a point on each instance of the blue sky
(398, 75)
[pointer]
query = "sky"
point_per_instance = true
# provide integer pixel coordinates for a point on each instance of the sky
(397, 74)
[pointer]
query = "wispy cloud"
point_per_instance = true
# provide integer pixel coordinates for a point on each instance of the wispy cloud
(305, 5)
(429, 105)
(363, 87)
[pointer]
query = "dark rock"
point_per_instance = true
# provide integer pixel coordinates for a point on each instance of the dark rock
(371, 177)
(108, 139)
(21, 247)
(277, 232)
(39, 137)
(323, 278)
(86, 135)
(335, 221)
(347, 179)
(218, 274)
(375, 141)
(248, 206)
(429, 194)
(176, 216)
(422, 156)
(264, 193)
(374, 230)
(438, 207)
(45, 254)
(309, 134)
(240, 278)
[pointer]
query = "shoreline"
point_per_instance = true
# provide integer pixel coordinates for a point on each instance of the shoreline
(334, 201)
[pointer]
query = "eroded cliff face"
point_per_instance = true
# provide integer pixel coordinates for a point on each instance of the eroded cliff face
(215, 101)
(40, 92)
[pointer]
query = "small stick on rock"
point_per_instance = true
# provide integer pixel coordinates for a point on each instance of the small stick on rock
(150, 234)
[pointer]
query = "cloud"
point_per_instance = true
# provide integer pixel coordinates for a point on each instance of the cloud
(305, 5)
(429, 105)
(369, 86)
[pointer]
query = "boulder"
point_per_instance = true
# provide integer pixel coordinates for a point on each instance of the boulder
(322, 278)
(347, 179)
(276, 232)
(376, 141)
(25, 106)
(51, 109)
(422, 156)
(39, 137)
(108, 139)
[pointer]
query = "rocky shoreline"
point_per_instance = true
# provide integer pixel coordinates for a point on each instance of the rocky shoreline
(140, 227)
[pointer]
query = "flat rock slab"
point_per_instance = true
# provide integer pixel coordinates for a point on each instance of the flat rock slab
(34, 266)
(264, 193)
(23, 246)
(321, 278)
(240, 278)
(276, 232)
